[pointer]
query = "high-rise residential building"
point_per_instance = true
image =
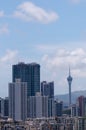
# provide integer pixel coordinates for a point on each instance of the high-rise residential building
(31, 107)
(1, 107)
(47, 89)
(58, 108)
(74, 110)
(69, 79)
(6, 107)
(18, 100)
(84, 107)
(81, 104)
(51, 107)
(29, 73)
(38, 106)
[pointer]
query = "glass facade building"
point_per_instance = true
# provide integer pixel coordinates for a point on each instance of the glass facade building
(6, 107)
(47, 89)
(29, 73)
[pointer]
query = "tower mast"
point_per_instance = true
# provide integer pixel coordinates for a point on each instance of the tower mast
(69, 79)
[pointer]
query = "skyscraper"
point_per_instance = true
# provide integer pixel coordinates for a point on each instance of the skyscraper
(58, 108)
(81, 104)
(51, 107)
(69, 79)
(38, 106)
(29, 73)
(47, 89)
(1, 106)
(18, 100)
(6, 107)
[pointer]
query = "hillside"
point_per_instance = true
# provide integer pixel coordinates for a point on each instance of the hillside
(75, 95)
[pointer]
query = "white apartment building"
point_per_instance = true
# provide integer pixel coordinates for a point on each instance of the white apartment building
(18, 100)
(38, 106)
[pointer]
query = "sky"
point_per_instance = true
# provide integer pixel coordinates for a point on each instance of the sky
(49, 32)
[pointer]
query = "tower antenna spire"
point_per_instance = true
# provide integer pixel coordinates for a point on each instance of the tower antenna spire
(69, 79)
(69, 71)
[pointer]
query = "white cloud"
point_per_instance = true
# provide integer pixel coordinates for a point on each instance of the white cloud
(62, 58)
(1, 13)
(4, 29)
(9, 57)
(30, 12)
(55, 66)
(45, 48)
(79, 72)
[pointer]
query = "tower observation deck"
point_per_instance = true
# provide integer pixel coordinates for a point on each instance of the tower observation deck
(69, 79)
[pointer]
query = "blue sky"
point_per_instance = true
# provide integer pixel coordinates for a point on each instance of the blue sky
(51, 33)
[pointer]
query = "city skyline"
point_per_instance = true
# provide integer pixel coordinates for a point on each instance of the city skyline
(50, 33)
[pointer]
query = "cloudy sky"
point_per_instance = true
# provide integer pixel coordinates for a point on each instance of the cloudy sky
(49, 32)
